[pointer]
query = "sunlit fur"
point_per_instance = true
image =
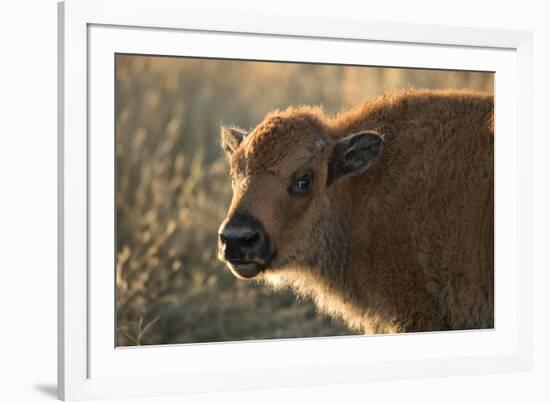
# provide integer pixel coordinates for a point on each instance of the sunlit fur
(405, 246)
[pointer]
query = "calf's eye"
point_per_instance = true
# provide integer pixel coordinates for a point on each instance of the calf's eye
(302, 185)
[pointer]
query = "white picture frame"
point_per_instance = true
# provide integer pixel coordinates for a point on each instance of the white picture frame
(90, 367)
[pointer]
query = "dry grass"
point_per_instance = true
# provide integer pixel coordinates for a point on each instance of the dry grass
(172, 190)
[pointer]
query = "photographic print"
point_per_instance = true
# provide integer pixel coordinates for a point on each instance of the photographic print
(269, 200)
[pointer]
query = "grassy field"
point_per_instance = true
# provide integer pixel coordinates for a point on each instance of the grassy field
(173, 189)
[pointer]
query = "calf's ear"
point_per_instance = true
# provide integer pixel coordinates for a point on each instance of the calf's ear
(352, 155)
(231, 138)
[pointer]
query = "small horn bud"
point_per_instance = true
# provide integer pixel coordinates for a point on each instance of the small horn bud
(320, 145)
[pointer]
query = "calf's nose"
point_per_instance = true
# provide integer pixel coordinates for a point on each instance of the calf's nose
(243, 240)
(241, 243)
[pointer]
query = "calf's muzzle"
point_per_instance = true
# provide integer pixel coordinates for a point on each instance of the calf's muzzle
(244, 245)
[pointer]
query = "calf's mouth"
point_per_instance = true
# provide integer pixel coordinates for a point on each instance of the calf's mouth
(244, 270)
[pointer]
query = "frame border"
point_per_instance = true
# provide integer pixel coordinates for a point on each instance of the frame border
(74, 16)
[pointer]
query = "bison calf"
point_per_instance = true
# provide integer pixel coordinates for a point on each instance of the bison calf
(382, 214)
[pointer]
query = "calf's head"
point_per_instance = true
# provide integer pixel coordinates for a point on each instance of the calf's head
(282, 176)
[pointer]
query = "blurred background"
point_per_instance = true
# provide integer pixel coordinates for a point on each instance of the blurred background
(173, 189)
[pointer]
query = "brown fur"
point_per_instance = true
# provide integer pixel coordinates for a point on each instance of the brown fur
(405, 246)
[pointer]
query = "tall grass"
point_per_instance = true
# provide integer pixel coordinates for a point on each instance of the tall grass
(173, 190)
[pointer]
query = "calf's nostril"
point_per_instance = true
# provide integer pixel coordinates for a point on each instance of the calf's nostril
(252, 238)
